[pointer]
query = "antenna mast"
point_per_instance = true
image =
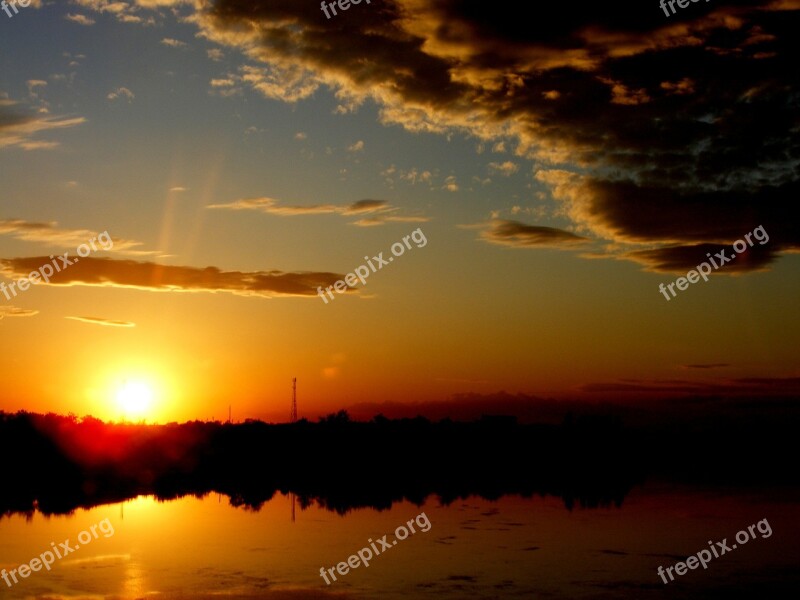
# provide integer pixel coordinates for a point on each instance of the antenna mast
(293, 418)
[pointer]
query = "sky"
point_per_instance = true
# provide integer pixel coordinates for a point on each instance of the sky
(547, 174)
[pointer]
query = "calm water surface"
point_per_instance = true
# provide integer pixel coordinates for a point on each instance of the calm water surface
(511, 548)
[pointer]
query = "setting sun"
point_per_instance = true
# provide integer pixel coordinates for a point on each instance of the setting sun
(135, 398)
(135, 389)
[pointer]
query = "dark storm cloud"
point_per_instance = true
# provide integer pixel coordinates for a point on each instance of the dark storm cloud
(685, 128)
(680, 259)
(715, 215)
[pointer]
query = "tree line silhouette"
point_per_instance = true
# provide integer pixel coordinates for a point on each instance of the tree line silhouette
(56, 463)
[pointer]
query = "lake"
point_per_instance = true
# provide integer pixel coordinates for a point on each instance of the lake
(475, 548)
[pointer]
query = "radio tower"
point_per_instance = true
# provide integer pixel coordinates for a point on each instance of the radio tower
(293, 418)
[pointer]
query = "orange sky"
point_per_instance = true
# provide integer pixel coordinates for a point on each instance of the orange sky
(557, 182)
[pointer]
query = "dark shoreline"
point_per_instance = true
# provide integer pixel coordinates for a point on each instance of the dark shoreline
(56, 464)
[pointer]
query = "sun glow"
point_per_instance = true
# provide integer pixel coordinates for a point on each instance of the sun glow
(135, 391)
(135, 399)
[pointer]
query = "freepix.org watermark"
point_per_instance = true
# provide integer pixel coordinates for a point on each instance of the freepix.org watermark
(718, 548)
(343, 5)
(8, 5)
(704, 269)
(366, 553)
(363, 271)
(672, 3)
(47, 558)
(46, 271)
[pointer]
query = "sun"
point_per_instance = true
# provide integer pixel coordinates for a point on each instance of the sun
(134, 391)
(135, 399)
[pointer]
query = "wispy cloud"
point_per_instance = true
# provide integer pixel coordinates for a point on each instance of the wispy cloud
(173, 43)
(104, 322)
(40, 145)
(52, 235)
(126, 12)
(13, 311)
(506, 168)
(450, 184)
(106, 272)
(365, 206)
(18, 130)
(383, 219)
(740, 386)
(121, 92)
(287, 82)
(79, 19)
(273, 207)
(382, 211)
(520, 235)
